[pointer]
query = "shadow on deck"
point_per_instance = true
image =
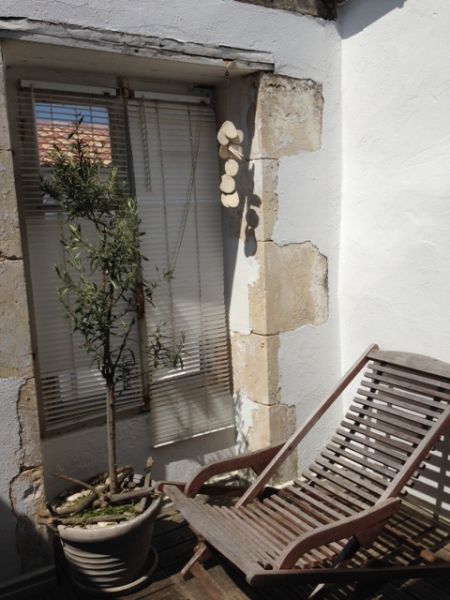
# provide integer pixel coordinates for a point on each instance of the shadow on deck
(174, 542)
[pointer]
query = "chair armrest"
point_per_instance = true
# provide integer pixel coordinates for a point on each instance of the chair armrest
(333, 532)
(254, 460)
(158, 486)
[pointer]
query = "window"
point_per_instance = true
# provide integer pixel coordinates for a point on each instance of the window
(176, 174)
(166, 150)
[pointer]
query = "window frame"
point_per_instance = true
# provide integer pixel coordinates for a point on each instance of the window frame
(83, 421)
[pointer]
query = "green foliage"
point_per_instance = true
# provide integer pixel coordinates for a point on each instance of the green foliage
(121, 509)
(102, 286)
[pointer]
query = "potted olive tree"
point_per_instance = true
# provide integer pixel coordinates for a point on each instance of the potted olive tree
(106, 524)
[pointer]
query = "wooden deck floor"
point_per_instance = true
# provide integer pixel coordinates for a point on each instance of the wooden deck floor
(174, 543)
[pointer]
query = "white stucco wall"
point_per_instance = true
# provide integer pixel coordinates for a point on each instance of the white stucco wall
(309, 184)
(309, 187)
(394, 285)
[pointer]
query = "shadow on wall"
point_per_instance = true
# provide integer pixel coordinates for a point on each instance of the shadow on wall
(173, 461)
(432, 487)
(356, 15)
(236, 101)
(23, 548)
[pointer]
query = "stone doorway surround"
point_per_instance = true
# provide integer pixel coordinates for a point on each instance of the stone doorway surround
(273, 289)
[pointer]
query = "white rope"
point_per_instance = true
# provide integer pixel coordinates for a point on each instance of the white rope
(188, 203)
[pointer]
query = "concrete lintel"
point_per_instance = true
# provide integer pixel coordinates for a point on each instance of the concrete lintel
(90, 38)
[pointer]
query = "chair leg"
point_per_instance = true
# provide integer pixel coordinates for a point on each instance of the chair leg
(200, 555)
(348, 551)
(212, 588)
(194, 568)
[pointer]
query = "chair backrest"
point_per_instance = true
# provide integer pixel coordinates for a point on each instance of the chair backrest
(398, 414)
(400, 409)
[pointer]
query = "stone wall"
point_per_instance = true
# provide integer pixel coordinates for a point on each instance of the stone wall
(287, 284)
(23, 546)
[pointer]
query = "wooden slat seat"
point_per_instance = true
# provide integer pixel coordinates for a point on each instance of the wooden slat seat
(345, 497)
(264, 528)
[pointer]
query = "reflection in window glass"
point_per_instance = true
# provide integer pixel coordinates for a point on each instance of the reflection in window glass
(54, 123)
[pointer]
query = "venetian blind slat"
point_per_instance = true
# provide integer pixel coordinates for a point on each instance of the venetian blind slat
(71, 389)
(176, 179)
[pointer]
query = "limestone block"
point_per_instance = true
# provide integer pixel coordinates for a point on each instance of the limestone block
(292, 288)
(10, 241)
(29, 419)
(271, 425)
(10, 455)
(265, 198)
(288, 116)
(255, 367)
(15, 344)
(5, 142)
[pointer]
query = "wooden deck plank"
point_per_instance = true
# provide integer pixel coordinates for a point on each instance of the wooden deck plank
(173, 553)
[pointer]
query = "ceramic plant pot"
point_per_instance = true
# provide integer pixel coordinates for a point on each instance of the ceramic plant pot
(114, 559)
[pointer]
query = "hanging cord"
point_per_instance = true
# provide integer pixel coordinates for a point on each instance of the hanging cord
(188, 203)
(227, 91)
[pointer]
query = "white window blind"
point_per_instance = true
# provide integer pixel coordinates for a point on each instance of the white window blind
(175, 173)
(71, 390)
(176, 179)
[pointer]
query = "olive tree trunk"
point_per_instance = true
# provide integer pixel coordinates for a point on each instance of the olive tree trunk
(111, 431)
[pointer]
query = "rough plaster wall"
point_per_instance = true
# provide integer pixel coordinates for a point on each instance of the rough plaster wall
(22, 545)
(303, 46)
(308, 213)
(395, 283)
(295, 213)
(394, 271)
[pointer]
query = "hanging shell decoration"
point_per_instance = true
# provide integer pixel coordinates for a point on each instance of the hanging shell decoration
(230, 140)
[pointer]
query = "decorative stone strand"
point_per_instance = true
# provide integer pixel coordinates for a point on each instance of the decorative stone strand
(230, 140)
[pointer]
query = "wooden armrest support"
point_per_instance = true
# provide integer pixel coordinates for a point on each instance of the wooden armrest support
(336, 531)
(259, 458)
(158, 486)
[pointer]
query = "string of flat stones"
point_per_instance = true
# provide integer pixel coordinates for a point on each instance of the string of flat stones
(230, 139)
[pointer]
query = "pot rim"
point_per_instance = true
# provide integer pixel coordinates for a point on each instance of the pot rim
(77, 534)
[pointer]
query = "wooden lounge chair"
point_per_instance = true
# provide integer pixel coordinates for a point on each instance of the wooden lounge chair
(308, 531)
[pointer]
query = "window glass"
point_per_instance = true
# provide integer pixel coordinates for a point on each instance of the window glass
(55, 122)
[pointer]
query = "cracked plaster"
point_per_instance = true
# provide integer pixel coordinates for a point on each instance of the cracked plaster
(23, 545)
(267, 425)
(257, 375)
(290, 289)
